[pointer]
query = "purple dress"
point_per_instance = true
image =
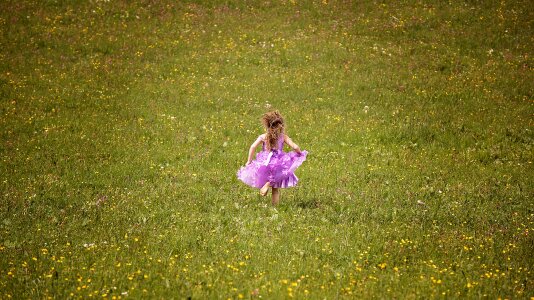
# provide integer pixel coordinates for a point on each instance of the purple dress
(275, 166)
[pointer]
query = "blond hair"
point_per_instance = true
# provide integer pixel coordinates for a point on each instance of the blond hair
(274, 125)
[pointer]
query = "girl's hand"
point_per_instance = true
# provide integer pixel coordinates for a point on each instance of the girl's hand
(292, 144)
(248, 163)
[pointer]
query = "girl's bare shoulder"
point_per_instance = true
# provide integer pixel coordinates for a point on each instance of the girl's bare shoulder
(261, 138)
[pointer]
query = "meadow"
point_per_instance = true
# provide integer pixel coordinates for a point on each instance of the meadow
(123, 124)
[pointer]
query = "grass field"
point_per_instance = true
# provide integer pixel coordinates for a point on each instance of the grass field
(122, 126)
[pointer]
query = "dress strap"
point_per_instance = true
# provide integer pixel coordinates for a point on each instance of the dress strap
(281, 142)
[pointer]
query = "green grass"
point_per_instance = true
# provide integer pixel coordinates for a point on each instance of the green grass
(114, 180)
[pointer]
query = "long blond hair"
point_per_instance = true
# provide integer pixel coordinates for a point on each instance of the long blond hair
(274, 125)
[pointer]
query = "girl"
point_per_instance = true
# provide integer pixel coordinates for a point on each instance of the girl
(273, 168)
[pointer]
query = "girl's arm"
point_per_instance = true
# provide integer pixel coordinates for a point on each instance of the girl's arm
(291, 144)
(252, 149)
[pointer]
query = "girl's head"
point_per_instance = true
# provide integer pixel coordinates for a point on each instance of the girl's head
(274, 125)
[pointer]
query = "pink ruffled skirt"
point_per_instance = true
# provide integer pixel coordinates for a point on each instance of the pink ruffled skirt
(276, 166)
